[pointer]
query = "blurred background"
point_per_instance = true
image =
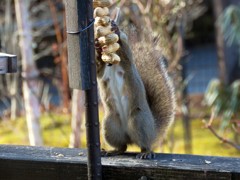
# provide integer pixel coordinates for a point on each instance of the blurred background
(199, 38)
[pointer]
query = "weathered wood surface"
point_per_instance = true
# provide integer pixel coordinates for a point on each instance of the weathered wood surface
(45, 163)
(78, 46)
(8, 63)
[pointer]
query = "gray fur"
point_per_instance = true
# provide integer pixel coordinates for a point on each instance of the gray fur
(150, 97)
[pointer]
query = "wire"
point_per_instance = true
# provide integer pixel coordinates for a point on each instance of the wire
(82, 30)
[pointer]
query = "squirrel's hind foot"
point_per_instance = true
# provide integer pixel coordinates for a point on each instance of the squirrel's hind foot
(146, 155)
(115, 152)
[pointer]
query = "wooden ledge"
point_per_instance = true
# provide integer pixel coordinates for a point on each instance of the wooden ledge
(8, 63)
(46, 163)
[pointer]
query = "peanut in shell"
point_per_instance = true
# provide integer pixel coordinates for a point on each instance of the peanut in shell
(110, 48)
(100, 12)
(102, 3)
(108, 39)
(111, 58)
(102, 21)
(102, 31)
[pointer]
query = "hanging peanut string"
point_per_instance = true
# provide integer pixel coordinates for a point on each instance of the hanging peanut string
(103, 32)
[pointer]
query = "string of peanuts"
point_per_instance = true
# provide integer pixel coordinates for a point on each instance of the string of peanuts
(106, 37)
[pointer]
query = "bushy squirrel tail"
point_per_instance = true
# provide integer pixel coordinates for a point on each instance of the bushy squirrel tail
(158, 85)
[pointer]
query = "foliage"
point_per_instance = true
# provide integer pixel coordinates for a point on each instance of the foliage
(224, 100)
(45, 46)
(163, 18)
(230, 24)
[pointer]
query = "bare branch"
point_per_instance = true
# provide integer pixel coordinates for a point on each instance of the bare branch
(208, 125)
(116, 3)
(141, 7)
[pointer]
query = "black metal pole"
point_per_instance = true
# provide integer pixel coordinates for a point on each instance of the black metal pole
(82, 73)
(92, 118)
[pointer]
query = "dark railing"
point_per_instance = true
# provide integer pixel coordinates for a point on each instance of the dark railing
(47, 163)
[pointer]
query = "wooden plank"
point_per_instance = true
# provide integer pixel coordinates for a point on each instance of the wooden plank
(27, 163)
(8, 63)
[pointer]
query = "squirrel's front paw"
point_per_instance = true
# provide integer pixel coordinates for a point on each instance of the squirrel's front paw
(114, 28)
(146, 155)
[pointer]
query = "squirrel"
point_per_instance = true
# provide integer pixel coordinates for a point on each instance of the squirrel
(137, 96)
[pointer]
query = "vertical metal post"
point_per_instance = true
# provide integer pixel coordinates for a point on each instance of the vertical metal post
(92, 118)
(82, 73)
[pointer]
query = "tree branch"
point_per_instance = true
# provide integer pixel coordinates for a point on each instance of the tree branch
(208, 125)
(141, 7)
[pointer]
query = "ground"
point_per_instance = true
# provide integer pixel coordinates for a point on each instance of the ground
(56, 130)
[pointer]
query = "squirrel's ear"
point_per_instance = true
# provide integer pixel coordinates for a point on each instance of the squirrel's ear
(115, 15)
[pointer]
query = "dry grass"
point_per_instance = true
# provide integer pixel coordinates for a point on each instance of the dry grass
(56, 130)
